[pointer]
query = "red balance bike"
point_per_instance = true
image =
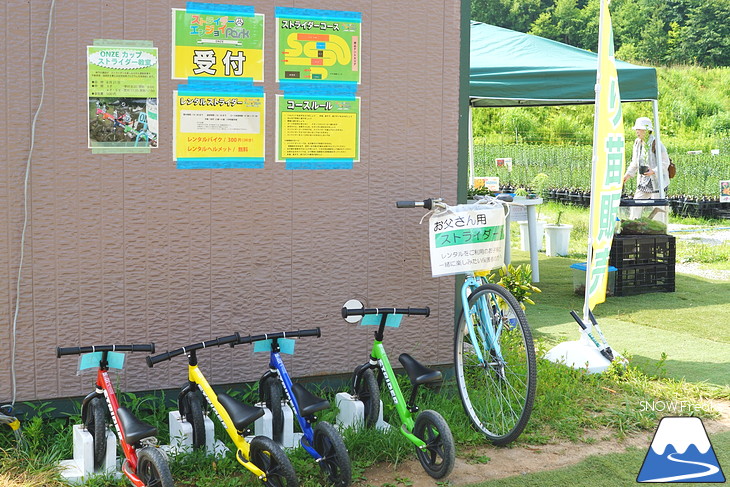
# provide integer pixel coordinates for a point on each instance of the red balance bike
(145, 465)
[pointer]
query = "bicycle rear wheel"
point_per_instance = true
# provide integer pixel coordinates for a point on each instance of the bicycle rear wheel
(153, 469)
(498, 390)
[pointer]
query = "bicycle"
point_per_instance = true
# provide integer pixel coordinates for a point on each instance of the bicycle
(6, 417)
(261, 456)
(494, 354)
(145, 465)
(428, 430)
(322, 442)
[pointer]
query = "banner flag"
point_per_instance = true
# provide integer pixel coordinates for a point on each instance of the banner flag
(608, 165)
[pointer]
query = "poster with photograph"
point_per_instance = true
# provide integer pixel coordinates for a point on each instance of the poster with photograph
(122, 97)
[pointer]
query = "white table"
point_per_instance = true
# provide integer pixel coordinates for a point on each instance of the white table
(530, 205)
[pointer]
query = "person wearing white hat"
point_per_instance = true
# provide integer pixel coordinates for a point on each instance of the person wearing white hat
(644, 162)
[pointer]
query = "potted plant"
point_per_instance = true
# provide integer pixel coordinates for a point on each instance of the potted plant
(557, 237)
(517, 280)
(539, 184)
(472, 193)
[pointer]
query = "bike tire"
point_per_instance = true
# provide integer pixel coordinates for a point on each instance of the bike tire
(497, 395)
(368, 392)
(272, 398)
(153, 468)
(335, 461)
(439, 456)
(271, 459)
(192, 412)
(95, 424)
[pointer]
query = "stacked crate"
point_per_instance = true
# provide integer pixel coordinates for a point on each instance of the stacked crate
(644, 263)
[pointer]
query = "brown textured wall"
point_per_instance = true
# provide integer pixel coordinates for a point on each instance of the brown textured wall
(126, 248)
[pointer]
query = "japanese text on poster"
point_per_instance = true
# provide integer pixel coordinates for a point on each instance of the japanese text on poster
(122, 97)
(318, 128)
(318, 45)
(219, 131)
(466, 238)
(218, 45)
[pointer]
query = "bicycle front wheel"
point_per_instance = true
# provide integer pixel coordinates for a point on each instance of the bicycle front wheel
(495, 365)
(153, 469)
(95, 423)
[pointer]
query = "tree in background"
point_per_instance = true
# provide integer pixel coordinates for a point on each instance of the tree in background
(657, 32)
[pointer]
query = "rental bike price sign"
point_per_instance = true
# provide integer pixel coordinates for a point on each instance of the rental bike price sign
(466, 238)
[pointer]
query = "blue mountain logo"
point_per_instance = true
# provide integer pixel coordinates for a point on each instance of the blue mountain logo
(681, 452)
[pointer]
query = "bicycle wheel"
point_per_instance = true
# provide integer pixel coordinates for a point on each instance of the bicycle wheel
(335, 462)
(498, 391)
(270, 458)
(439, 455)
(191, 409)
(153, 469)
(95, 424)
(272, 397)
(367, 391)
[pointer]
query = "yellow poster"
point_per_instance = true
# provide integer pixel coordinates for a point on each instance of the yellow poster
(219, 131)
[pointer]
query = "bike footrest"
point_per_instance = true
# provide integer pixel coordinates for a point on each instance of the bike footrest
(418, 373)
(308, 402)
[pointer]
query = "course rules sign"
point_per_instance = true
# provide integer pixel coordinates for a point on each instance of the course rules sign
(466, 238)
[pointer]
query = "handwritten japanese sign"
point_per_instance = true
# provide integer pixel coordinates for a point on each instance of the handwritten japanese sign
(217, 46)
(466, 238)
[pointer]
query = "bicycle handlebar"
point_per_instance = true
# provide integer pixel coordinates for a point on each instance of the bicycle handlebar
(427, 204)
(386, 311)
(216, 342)
(147, 347)
(313, 332)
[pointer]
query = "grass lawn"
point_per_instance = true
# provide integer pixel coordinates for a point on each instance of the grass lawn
(687, 325)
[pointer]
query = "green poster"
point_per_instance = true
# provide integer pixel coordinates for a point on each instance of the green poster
(122, 97)
(318, 45)
(218, 45)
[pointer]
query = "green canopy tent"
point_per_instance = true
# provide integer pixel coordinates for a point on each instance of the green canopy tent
(513, 69)
(510, 69)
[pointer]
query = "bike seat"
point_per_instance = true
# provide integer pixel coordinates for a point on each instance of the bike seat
(134, 429)
(419, 374)
(241, 414)
(308, 402)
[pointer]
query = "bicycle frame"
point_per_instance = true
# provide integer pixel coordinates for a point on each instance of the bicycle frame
(379, 360)
(277, 367)
(105, 389)
(487, 333)
(197, 380)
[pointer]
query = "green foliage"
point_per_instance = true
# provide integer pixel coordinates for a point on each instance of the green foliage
(517, 280)
(645, 31)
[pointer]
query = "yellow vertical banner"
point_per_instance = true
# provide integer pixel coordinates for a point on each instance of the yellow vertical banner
(608, 165)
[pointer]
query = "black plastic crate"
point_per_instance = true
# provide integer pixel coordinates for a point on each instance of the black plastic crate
(633, 250)
(641, 279)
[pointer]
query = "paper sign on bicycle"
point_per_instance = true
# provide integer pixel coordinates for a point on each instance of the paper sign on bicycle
(466, 238)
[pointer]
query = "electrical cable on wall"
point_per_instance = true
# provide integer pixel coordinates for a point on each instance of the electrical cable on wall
(25, 206)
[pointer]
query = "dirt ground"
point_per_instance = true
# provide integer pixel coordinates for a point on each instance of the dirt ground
(519, 460)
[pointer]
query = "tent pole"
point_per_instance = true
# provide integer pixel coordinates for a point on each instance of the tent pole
(471, 146)
(657, 151)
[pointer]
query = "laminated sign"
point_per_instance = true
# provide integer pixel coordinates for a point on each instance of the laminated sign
(466, 238)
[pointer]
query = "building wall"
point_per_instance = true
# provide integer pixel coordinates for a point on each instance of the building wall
(125, 248)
